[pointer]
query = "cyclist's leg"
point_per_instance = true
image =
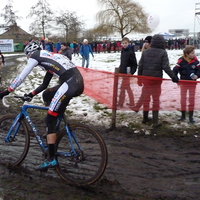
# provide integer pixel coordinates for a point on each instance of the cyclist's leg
(59, 102)
(48, 95)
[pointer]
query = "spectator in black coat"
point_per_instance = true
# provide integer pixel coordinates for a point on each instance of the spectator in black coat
(128, 65)
(151, 65)
(66, 50)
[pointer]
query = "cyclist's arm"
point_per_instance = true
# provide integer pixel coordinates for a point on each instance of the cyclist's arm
(19, 79)
(43, 86)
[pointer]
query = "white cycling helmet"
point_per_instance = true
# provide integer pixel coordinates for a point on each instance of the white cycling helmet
(32, 46)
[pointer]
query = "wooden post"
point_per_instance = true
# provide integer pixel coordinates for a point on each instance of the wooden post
(114, 102)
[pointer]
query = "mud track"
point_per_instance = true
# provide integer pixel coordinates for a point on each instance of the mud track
(161, 166)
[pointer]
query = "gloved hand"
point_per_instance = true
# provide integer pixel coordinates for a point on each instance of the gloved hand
(29, 95)
(3, 93)
(175, 79)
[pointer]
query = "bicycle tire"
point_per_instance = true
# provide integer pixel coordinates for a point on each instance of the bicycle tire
(94, 159)
(13, 152)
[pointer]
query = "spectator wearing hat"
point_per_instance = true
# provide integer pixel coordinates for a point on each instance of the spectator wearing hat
(85, 50)
(147, 43)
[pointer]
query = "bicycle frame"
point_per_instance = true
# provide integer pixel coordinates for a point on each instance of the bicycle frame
(24, 114)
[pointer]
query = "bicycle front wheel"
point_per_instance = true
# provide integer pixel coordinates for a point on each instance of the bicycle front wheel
(14, 149)
(90, 162)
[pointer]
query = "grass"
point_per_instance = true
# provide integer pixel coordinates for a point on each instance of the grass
(98, 107)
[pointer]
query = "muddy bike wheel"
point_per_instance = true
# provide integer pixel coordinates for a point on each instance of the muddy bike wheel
(89, 164)
(16, 148)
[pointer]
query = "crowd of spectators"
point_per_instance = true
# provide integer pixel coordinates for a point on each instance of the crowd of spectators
(107, 46)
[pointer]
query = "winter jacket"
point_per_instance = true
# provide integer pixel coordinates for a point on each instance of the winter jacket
(155, 59)
(85, 50)
(58, 46)
(48, 47)
(186, 68)
(67, 52)
(128, 59)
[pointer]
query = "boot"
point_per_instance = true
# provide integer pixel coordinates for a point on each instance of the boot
(182, 118)
(191, 117)
(156, 122)
(145, 117)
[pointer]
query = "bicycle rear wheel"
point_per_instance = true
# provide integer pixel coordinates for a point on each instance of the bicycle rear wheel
(14, 150)
(91, 160)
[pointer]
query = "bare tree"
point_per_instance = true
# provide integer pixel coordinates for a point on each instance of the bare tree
(122, 16)
(42, 15)
(70, 23)
(9, 15)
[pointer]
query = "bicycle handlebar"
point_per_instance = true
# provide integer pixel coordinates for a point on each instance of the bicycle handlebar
(23, 98)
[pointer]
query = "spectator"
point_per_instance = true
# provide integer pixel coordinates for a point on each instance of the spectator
(43, 43)
(141, 44)
(147, 43)
(139, 103)
(109, 45)
(128, 65)
(1, 61)
(48, 45)
(84, 51)
(58, 46)
(104, 46)
(75, 48)
(187, 65)
(118, 46)
(66, 50)
(151, 65)
(72, 47)
(99, 47)
(95, 46)
(137, 44)
(114, 46)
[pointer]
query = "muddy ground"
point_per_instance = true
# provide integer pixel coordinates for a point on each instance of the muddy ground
(164, 165)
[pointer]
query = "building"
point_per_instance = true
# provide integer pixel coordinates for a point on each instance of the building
(16, 33)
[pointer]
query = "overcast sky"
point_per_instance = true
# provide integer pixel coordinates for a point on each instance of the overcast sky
(173, 14)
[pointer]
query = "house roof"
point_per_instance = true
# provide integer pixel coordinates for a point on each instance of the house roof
(14, 30)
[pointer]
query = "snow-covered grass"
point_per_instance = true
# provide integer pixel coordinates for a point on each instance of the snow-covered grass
(89, 111)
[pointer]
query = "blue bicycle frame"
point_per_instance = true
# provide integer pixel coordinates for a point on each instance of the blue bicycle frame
(24, 114)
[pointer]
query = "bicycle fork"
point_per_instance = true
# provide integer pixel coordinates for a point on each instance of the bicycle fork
(73, 153)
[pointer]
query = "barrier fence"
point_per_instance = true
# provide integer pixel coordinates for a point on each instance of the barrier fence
(130, 92)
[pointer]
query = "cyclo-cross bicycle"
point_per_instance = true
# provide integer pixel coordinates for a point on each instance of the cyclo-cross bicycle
(81, 151)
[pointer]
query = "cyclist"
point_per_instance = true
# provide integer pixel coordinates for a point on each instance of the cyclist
(70, 85)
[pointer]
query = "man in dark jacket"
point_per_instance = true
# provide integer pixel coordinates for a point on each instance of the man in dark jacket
(128, 65)
(66, 50)
(152, 63)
